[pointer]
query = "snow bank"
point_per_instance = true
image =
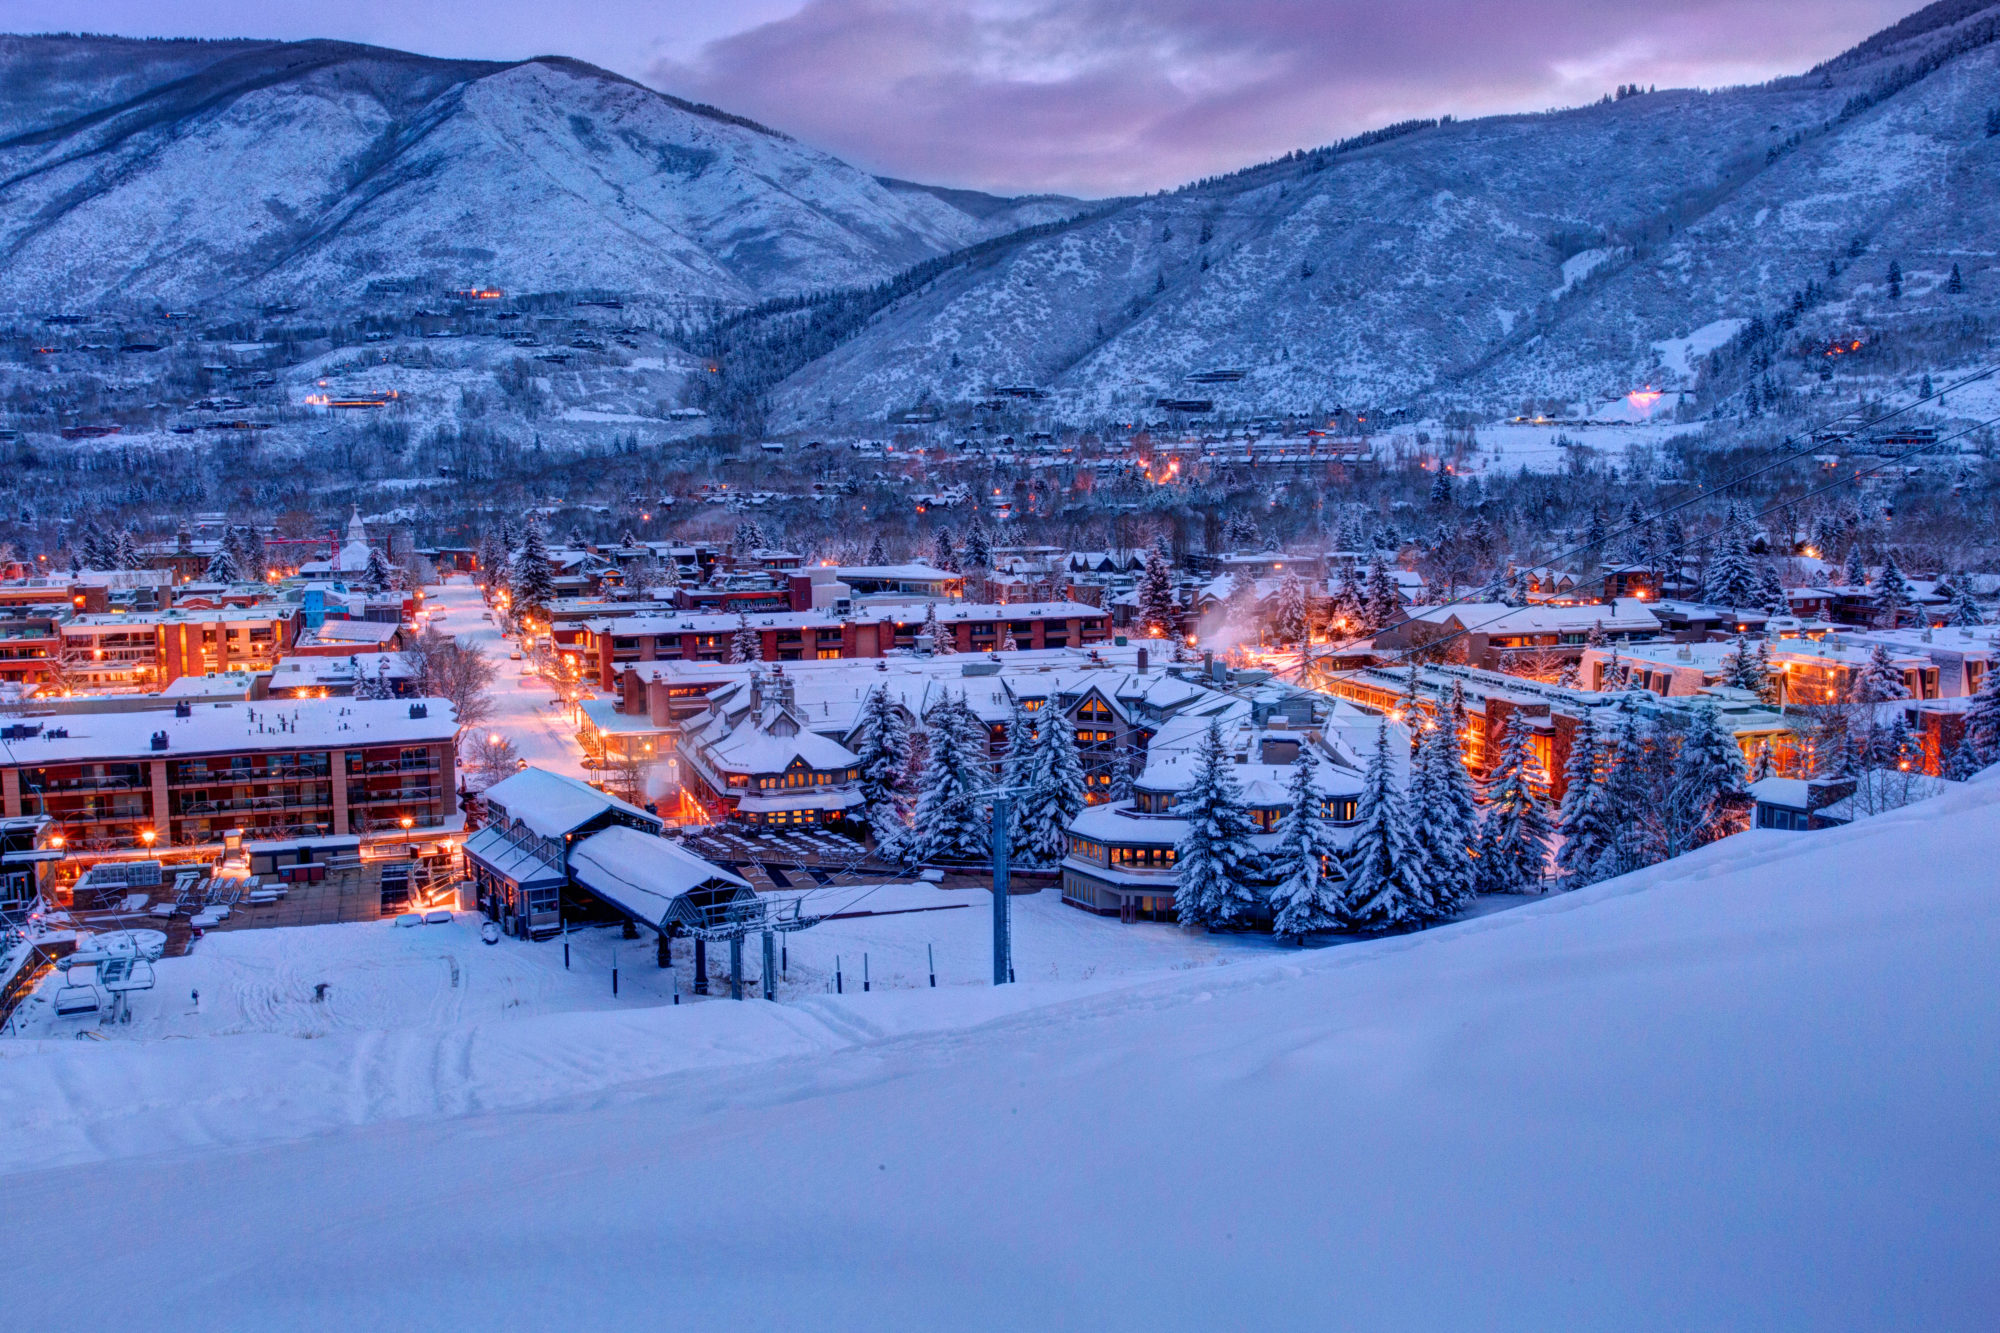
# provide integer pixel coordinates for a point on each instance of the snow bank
(1751, 1088)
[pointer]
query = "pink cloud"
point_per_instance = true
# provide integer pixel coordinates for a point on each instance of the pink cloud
(1111, 96)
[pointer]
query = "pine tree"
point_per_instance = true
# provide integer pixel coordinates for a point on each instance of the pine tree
(221, 566)
(943, 638)
(1762, 673)
(944, 551)
(1982, 721)
(1955, 284)
(125, 551)
(1157, 614)
(1879, 681)
(1731, 577)
(376, 686)
(950, 823)
(1856, 574)
(1215, 855)
(1892, 590)
(881, 744)
(978, 552)
(1385, 600)
(94, 548)
(1514, 834)
(1581, 817)
(1307, 861)
(746, 644)
(1705, 797)
(1962, 611)
(1055, 790)
(1895, 280)
(878, 554)
(1446, 822)
(1289, 621)
(1382, 891)
(1742, 668)
(1771, 590)
(1628, 803)
(375, 576)
(534, 586)
(1441, 488)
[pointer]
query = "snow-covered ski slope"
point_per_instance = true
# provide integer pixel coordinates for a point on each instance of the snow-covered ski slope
(1752, 1088)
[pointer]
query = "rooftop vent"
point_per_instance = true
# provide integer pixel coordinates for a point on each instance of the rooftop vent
(183, 710)
(420, 710)
(159, 740)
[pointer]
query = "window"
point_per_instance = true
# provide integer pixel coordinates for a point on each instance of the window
(828, 654)
(1143, 858)
(1085, 849)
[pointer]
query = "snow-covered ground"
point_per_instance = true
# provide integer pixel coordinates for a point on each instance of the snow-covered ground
(521, 709)
(1750, 1088)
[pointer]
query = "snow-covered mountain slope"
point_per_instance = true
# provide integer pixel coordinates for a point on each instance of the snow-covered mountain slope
(1441, 263)
(1749, 1088)
(192, 172)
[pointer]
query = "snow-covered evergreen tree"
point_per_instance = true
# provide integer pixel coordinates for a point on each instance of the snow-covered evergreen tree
(376, 686)
(1581, 817)
(1705, 800)
(1306, 863)
(1880, 680)
(1731, 577)
(1961, 610)
(1741, 668)
(375, 576)
(882, 745)
(533, 584)
(1856, 573)
(1382, 890)
(1214, 856)
(1630, 803)
(943, 638)
(951, 822)
(221, 566)
(1982, 721)
(1892, 591)
(1445, 822)
(1055, 790)
(125, 551)
(878, 554)
(1385, 600)
(1514, 833)
(978, 553)
(1288, 622)
(1157, 614)
(746, 644)
(944, 551)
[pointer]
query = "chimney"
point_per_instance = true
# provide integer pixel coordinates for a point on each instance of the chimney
(1142, 661)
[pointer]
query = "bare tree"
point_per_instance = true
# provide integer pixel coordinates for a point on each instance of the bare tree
(448, 669)
(493, 758)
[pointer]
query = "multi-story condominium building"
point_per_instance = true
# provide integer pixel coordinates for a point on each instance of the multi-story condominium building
(605, 647)
(147, 650)
(180, 776)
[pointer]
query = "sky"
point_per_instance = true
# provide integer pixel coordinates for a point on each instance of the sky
(1088, 97)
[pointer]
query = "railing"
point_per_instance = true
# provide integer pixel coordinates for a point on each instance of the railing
(427, 765)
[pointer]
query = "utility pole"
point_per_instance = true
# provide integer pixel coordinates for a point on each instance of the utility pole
(1003, 968)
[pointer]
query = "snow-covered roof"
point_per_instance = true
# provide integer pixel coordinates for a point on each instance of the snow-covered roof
(297, 672)
(553, 804)
(236, 727)
(517, 862)
(642, 874)
(1624, 614)
(375, 632)
(752, 749)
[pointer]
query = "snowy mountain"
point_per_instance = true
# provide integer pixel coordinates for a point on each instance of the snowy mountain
(1569, 255)
(186, 172)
